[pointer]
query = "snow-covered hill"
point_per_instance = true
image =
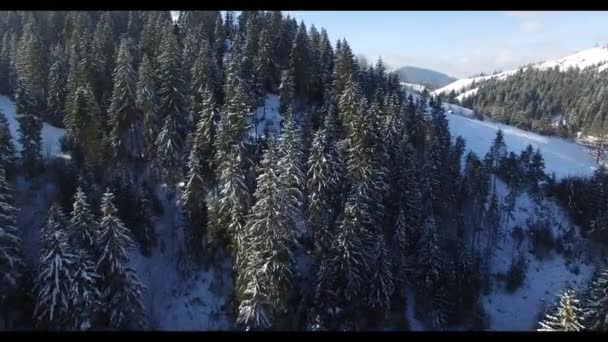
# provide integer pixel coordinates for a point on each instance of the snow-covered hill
(595, 57)
(50, 134)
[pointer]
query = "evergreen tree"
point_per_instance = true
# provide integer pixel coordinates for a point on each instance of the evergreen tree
(83, 228)
(8, 156)
(57, 83)
(56, 274)
(566, 316)
(271, 240)
(291, 164)
(30, 139)
(382, 285)
(596, 309)
(121, 289)
(194, 203)
(286, 90)
(11, 258)
(125, 120)
(170, 141)
(82, 122)
(325, 173)
(148, 104)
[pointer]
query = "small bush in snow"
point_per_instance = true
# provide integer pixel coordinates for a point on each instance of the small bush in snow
(516, 274)
(541, 237)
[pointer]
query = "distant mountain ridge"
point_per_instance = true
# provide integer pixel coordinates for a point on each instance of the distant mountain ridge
(430, 78)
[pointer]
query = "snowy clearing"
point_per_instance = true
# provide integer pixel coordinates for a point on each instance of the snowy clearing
(50, 134)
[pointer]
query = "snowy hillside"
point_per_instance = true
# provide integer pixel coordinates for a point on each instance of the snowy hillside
(594, 57)
(413, 87)
(561, 156)
(50, 134)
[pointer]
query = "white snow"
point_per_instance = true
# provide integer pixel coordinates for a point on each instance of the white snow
(266, 117)
(413, 87)
(50, 134)
(464, 83)
(597, 57)
(467, 93)
(561, 156)
(545, 279)
(178, 302)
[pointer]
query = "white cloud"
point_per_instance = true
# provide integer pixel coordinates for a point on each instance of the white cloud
(531, 26)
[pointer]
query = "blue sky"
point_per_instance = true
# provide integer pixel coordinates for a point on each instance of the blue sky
(462, 43)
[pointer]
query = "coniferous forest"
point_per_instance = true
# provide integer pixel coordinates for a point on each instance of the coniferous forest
(362, 205)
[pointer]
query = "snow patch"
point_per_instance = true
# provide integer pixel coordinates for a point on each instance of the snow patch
(51, 135)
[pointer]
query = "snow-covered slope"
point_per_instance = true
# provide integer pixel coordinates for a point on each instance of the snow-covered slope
(561, 156)
(177, 300)
(594, 57)
(50, 134)
(545, 279)
(413, 87)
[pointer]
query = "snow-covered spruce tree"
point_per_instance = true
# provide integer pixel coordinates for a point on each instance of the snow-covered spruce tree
(126, 135)
(30, 139)
(254, 313)
(596, 308)
(121, 290)
(431, 299)
(325, 173)
(270, 238)
(8, 156)
(204, 76)
(57, 82)
(203, 141)
(492, 224)
(232, 204)
(382, 283)
(83, 227)
(53, 286)
(401, 252)
(171, 139)
(566, 317)
(291, 164)
(83, 125)
(169, 145)
(147, 101)
(11, 257)
(350, 261)
(286, 90)
(31, 64)
(195, 205)
(84, 293)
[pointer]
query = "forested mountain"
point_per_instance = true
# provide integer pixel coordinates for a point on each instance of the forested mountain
(430, 78)
(360, 207)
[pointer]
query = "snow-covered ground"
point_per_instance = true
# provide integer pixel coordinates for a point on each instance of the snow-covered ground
(544, 280)
(466, 94)
(50, 134)
(266, 118)
(594, 57)
(174, 301)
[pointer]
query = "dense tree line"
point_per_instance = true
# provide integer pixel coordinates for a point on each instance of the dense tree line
(548, 101)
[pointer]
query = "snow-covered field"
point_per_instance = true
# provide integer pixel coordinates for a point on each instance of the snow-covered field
(561, 156)
(50, 134)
